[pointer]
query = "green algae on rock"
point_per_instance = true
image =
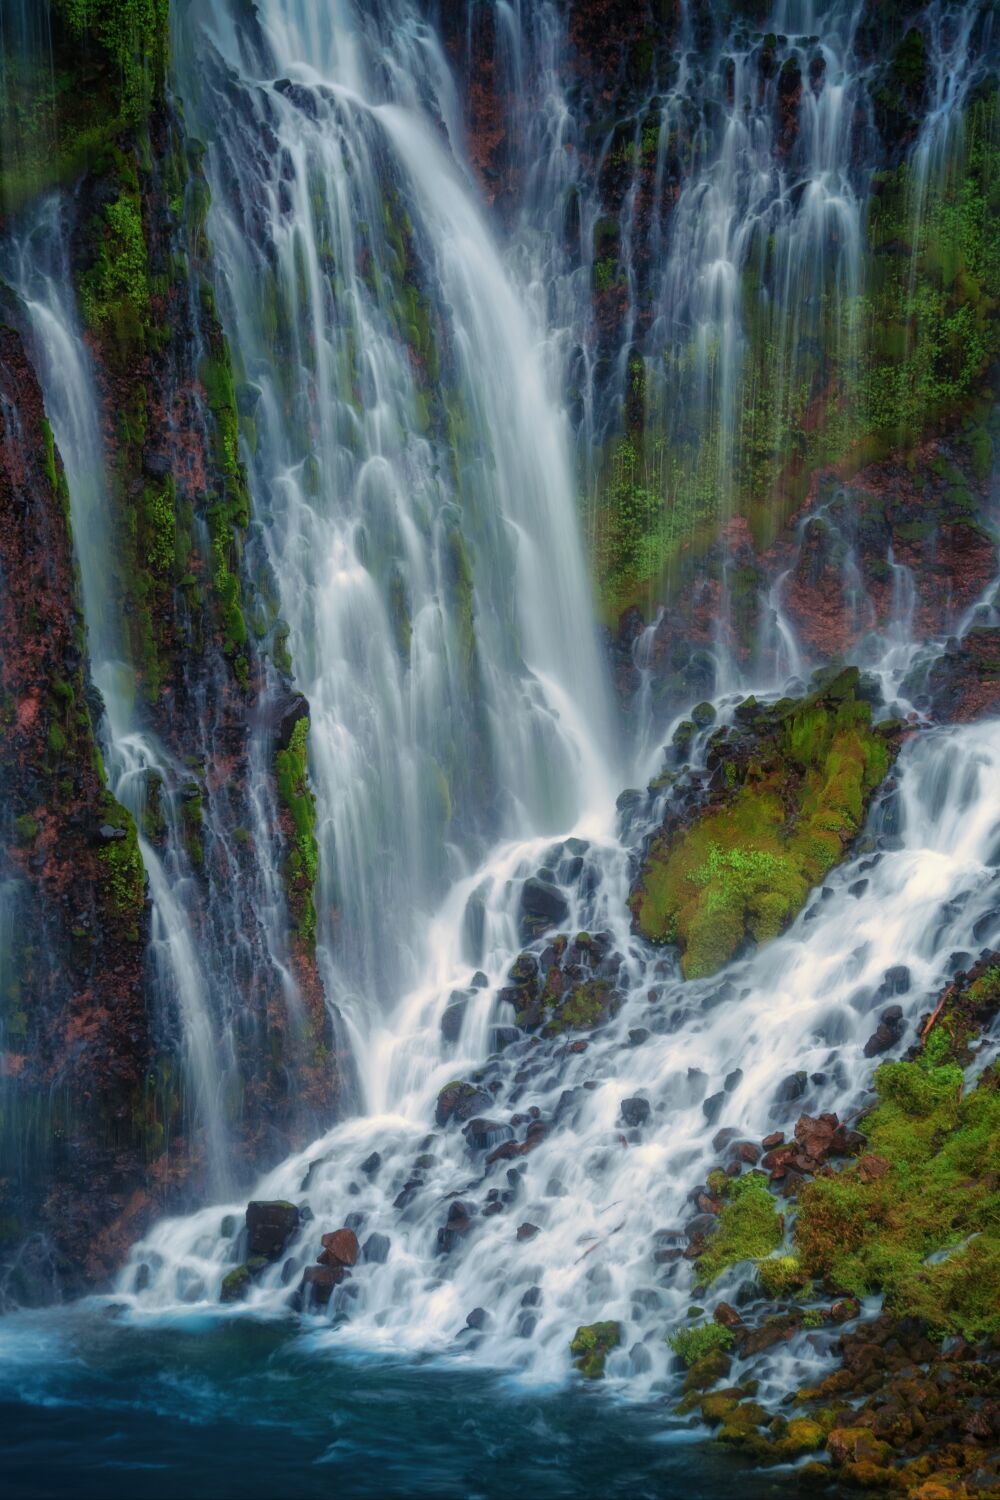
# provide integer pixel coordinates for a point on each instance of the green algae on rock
(788, 796)
(591, 1345)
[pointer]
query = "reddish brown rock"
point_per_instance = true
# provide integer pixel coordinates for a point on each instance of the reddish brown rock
(340, 1248)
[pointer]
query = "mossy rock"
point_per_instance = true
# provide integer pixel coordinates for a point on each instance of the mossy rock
(793, 787)
(591, 1345)
(750, 1228)
(237, 1283)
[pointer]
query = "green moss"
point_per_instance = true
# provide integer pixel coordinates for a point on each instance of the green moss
(73, 86)
(302, 863)
(745, 866)
(586, 1006)
(114, 293)
(750, 1228)
(692, 1344)
(781, 1275)
(591, 1345)
(935, 1195)
(125, 878)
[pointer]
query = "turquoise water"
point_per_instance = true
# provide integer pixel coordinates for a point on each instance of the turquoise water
(90, 1406)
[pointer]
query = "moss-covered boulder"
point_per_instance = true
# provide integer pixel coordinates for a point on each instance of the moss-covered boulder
(790, 787)
(591, 1345)
(236, 1284)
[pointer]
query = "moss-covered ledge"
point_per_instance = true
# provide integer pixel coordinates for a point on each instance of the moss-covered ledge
(790, 787)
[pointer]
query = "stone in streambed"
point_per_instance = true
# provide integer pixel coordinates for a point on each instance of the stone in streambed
(591, 1345)
(484, 1135)
(237, 1283)
(887, 1033)
(270, 1225)
(375, 1250)
(340, 1248)
(316, 1286)
(460, 1101)
(543, 906)
(635, 1112)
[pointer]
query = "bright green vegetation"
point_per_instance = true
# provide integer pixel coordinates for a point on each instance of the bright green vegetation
(114, 293)
(586, 1006)
(88, 72)
(291, 769)
(856, 374)
(865, 1231)
(125, 879)
(750, 1227)
(744, 867)
(781, 1276)
(692, 1344)
(591, 1345)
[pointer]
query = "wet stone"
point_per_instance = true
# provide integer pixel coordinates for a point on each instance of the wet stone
(371, 1164)
(317, 1284)
(712, 1107)
(485, 1135)
(527, 1232)
(270, 1225)
(453, 1018)
(791, 1088)
(460, 1102)
(887, 1033)
(635, 1112)
(340, 1248)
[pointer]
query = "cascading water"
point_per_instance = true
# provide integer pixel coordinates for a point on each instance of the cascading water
(351, 242)
(411, 472)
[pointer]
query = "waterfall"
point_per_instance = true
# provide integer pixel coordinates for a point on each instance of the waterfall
(413, 480)
(412, 474)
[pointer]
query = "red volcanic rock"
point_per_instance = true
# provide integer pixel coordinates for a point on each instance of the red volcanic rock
(340, 1248)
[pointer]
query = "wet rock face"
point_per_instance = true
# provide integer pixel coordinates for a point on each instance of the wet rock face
(964, 683)
(78, 1033)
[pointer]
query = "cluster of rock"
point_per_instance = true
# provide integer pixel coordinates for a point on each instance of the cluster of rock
(271, 1226)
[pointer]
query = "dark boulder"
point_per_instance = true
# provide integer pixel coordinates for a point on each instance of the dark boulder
(316, 1286)
(460, 1101)
(270, 1226)
(887, 1033)
(484, 1135)
(791, 1088)
(454, 1016)
(543, 905)
(375, 1250)
(712, 1106)
(635, 1112)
